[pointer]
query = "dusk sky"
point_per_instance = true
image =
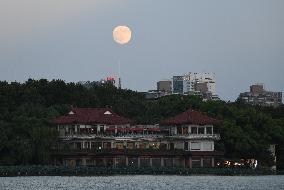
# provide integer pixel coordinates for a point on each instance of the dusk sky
(241, 41)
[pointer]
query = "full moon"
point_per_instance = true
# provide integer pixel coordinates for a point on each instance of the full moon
(121, 34)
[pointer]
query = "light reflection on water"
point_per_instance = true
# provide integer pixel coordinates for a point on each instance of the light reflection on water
(143, 182)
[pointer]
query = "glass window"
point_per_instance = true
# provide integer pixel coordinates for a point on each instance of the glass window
(168, 162)
(107, 145)
(209, 130)
(193, 130)
(120, 161)
(156, 162)
(119, 145)
(195, 145)
(163, 146)
(178, 162)
(207, 146)
(207, 162)
(96, 145)
(109, 162)
(201, 130)
(145, 162)
(196, 162)
(89, 162)
(130, 145)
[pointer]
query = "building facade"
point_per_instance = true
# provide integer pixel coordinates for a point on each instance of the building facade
(164, 86)
(178, 83)
(100, 137)
(259, 96)
(201, 84)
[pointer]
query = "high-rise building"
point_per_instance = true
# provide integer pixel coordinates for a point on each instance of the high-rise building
(195, 83)
(178, 84)
(259, 96)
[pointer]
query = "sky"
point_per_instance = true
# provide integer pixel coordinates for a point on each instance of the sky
(241, 41)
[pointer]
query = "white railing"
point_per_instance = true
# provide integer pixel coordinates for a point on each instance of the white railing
(197, 136)
(129, 136)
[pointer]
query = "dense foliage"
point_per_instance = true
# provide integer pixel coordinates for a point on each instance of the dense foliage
(26, 109)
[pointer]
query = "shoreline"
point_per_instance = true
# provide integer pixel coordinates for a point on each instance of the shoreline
(18, 171)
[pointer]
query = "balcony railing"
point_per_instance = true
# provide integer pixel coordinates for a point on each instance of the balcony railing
(141, 136)
(197, 136)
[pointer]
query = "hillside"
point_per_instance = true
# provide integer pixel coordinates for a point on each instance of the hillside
(27, 135)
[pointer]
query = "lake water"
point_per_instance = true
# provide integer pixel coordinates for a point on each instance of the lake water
(143, 182)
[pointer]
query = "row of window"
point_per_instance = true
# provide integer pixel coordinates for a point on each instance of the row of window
(188, 146)
(121, 161)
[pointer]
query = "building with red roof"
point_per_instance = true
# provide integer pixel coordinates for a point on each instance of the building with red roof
(101, 137)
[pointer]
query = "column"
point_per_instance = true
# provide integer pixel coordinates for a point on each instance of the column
(126, 160)
(113, 162)
(201, 162)
(151, 164)
(138, 161)
(213, 162)
(84, 162)
(104, 160)
(162, 162)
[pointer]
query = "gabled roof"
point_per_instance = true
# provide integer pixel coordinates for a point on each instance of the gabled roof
(92, 116)
(190, 117)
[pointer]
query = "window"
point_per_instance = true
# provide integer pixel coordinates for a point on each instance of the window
(201, 130)
(107, 145)
(207, 162)
(163, 146)
(193, 130)
(195, 146)
(156, 162)
(196, 162)
(86, 145)
(207, 146)
(119, 145)
(209, 130)
(145, 162)
(168, 162)
(120, 161)
(130, 145)
(89, 162)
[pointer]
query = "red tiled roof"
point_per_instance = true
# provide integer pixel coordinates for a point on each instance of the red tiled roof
(92, 116)
(190, 117)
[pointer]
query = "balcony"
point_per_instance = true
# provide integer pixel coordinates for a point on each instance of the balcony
(110, 136)
(196, 136)
(140, 136)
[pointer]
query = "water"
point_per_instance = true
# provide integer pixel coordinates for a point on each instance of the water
(144, 182)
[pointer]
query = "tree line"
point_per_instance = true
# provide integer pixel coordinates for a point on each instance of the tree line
(27, 136)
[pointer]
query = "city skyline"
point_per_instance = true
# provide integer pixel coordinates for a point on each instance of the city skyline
(72, 41)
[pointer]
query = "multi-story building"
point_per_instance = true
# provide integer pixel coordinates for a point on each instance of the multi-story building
(259, 96)
(178, 83)
(100, 137)
(202, 84)
(164, 86)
